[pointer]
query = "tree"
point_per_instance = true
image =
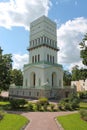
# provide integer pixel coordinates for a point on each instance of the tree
(79, 74)
(75, 73)
(67, 78)
(83, 52)
(5, 68)
(16, 77)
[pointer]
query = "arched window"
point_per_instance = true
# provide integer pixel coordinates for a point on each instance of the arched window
(35, 58)
(32, 59)
(48, 57)
(38, 40)
(54, 79)
(38, 58)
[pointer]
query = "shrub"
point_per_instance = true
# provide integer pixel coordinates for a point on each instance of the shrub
(17, 103)
(70, 103)
(38, 106)
(43, 101)
(82, 95)
(30, 106)
(45, 107)
(1, 115)
(52, 106)
(83, 114)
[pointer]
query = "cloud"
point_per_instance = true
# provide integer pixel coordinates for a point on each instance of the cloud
(19, 60)
(22, 12)
(69, 36)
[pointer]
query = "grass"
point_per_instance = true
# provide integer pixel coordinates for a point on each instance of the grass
(12, 122)
(72, 122)
(83, 105)
(4, 103)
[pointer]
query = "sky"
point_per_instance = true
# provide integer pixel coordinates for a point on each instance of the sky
(69, 15)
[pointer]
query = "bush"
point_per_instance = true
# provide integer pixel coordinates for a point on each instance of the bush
(82, 95)
(52, 106)
(17, 103)
(1, 115)
(38, 106)
(30, 106)
(70, 103)
(43, 101)
(83, 114)
(45, 107)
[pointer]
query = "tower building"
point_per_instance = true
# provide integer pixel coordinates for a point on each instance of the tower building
(42, 76)
(43, 72)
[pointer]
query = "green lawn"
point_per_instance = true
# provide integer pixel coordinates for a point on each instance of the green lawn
(72, 122)
(4, 103)
(83, 105)
(12, 122)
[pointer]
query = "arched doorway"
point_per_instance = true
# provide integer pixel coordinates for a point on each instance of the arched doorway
(33, 79)
(54, 79)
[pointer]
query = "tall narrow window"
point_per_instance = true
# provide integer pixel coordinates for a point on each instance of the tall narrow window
(35, 58)
(32, 59)
(34, 79)
(48, 57)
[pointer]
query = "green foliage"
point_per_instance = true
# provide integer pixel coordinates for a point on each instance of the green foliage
(83, 52)
(82, 95)
(45, 107)
(30, 106)
(52, 106)
(70, 103)
(13, 122)
(43, 101)
(83, 114)
(67, 78)
(75, 73)
(72, 122)
(1, 115)
(78, 74)
(38, 106)
(17, 103)
(16, 77)
(5, 68)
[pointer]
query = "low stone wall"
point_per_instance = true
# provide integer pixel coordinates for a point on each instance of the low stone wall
(37, 93)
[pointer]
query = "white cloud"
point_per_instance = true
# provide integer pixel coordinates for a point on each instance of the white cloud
(19, 60)
(22, 12)
(69, 36)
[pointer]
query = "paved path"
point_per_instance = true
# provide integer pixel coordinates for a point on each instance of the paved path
(43, 120)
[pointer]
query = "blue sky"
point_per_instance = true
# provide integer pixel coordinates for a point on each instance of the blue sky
(15, 18)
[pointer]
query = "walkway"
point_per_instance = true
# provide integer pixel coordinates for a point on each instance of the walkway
(43, 120)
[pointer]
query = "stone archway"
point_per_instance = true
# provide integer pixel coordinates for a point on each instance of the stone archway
(54, 79)
(33, 79)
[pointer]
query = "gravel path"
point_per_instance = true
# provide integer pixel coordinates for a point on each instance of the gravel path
(43, 120)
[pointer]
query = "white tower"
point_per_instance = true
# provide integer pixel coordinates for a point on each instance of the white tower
(42, 72)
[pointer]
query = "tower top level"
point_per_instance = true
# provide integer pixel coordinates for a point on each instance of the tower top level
(43, 26)
(43, 32)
